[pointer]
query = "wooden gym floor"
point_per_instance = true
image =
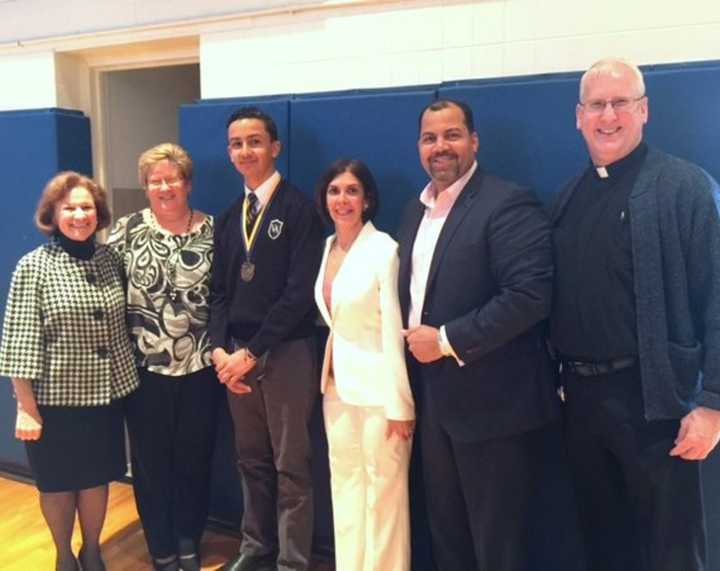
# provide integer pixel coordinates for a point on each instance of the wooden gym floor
(26, 545)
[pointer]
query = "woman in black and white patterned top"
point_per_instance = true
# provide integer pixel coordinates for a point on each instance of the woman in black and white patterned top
(167, 254)
(66, 349)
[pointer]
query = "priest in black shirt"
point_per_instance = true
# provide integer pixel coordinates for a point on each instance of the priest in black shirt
(636, 324)
(268, 246)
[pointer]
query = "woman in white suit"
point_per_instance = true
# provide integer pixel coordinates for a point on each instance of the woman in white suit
(368, 407)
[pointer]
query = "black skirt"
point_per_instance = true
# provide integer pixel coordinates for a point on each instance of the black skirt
(80, 447)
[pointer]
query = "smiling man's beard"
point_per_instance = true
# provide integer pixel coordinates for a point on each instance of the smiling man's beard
(452, 173)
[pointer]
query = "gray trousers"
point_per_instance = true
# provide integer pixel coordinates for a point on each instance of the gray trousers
(272, 442)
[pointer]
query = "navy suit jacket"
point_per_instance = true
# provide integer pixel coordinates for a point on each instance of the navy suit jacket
(490, 284)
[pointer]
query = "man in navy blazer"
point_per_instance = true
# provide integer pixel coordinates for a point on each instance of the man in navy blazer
(475, 284)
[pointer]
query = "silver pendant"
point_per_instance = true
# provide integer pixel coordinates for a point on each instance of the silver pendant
(247, 271)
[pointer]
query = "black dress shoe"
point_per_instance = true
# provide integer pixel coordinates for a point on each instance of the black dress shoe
(90, 563)
(244, 562)
(171, 565)
(74, 565)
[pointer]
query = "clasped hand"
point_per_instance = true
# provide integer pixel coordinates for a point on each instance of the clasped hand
(232, 368)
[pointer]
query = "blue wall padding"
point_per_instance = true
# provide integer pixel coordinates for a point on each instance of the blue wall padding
(685, 112)
(204, 136)
(378, 128)
(526, 128)
(74, 142)
(34, 146)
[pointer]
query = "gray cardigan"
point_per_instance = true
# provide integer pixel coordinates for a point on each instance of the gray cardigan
(676, 260)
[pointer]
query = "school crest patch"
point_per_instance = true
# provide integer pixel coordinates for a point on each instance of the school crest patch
(275, 229)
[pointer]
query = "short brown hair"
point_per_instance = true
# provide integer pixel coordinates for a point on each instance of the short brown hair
(165, 152)
(57, 189)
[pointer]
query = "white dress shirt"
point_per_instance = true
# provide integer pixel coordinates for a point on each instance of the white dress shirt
(265, 190)
(437, 208)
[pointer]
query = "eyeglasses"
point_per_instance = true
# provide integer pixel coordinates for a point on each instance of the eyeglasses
(619, 104)
(169, 182)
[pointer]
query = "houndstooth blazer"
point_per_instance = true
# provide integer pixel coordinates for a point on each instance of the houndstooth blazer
(65, 329)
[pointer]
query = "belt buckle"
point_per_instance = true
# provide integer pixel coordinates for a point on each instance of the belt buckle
(584, 369)
(574, 367)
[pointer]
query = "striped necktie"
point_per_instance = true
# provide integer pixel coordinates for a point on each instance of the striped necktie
(252, 212)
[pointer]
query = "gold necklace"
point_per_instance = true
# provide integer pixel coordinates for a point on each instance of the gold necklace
(189, 224)
(159, 226)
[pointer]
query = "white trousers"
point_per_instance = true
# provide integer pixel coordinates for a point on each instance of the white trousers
(369, 484)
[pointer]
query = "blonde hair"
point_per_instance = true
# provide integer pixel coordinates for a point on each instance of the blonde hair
(164, 152)
(613, 67)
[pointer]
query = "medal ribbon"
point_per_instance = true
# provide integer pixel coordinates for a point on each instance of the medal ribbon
(250, 240)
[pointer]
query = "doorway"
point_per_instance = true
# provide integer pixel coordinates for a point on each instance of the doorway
(140, 110)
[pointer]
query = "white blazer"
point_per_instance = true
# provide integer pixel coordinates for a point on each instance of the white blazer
(365, 340)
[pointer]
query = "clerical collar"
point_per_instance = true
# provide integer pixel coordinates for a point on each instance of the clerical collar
(82, 250)
(619, 168)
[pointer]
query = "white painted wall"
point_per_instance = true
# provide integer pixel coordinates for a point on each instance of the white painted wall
(28, 81)
(72, 83)
(322, 45)
(24, 20)
(427, 42)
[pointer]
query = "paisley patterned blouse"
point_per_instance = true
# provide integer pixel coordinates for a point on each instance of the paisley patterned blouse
(168, 282)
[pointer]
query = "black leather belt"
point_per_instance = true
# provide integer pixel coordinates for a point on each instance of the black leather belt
(593, 369)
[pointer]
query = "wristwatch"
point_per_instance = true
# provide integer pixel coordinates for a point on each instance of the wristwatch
(441, 343)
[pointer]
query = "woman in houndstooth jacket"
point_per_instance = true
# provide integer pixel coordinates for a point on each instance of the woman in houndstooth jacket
(66, 349)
